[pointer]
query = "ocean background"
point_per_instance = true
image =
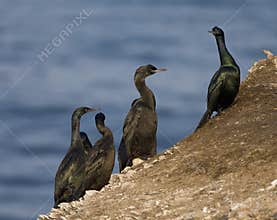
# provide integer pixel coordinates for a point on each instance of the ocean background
(94, 66)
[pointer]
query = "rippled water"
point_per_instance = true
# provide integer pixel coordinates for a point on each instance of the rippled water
(94, 66)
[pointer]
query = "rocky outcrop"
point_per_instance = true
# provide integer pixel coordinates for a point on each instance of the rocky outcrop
(226, 170)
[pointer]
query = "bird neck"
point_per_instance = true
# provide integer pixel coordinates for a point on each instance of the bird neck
(107, 135)
(102, 128)
(75, 126)
(226, 58)
(146, 93)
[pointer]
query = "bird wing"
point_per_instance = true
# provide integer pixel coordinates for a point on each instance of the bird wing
(122, 155)
(217, 83)
(68, 176)
(134, 101)
(214, 89)
(129, 127)
(220, 75)
(213, 81)
(214, 95)
(94, 162)
(131, 124)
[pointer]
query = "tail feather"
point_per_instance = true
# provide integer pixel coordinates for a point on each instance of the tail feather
(122, 155)
(204, 119)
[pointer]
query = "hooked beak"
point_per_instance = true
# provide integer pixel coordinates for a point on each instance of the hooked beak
(211, 32)
(159, 70)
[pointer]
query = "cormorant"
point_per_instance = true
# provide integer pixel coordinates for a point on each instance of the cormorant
(140, 125)
(224, 85)
(69, 177)
(100, 163)
(84, 167)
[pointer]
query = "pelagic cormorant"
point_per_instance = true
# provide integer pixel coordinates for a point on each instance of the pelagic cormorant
(140, 125)
(224, 85)
(84, 167)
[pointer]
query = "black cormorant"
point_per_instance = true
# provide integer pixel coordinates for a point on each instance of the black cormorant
(84, 166)
(68, 180)
(140, 125)
(224, 85)
(100, 163)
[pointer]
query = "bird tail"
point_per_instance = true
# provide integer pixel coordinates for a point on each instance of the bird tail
(122, 155)
(204, 119)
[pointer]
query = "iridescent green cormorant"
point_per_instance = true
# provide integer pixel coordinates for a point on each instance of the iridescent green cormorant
(84, 167)
(140, 125)
(224, 85)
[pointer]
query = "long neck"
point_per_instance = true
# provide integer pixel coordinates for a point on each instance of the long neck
(146, 94)
(75, 126)
(106, 132)
(102, 128)
(225, 57)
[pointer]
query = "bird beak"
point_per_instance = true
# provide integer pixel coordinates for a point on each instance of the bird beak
(211, 32)
(93, 109)
(159, 70)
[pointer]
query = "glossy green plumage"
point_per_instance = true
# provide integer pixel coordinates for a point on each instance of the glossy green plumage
(224, 85)
(223, 88)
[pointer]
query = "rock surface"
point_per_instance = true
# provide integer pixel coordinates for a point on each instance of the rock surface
(226, 170)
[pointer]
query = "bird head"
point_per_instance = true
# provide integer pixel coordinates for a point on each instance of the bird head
(147, 70)
(100, 117)
(216, 31)
(100, 123)
(79, 112)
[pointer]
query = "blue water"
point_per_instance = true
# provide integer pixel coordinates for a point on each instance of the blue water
(94, 66)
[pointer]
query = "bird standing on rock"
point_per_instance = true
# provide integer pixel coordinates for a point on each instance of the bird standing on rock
(84, 167)
(68, 180)
(140, 125)
(100, 162)
(224, 85)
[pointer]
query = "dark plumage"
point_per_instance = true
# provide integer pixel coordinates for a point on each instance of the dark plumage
(84, 167)
(100, 163)
(140, 125)
(224, 85)
(85, 141)
(68, 181)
